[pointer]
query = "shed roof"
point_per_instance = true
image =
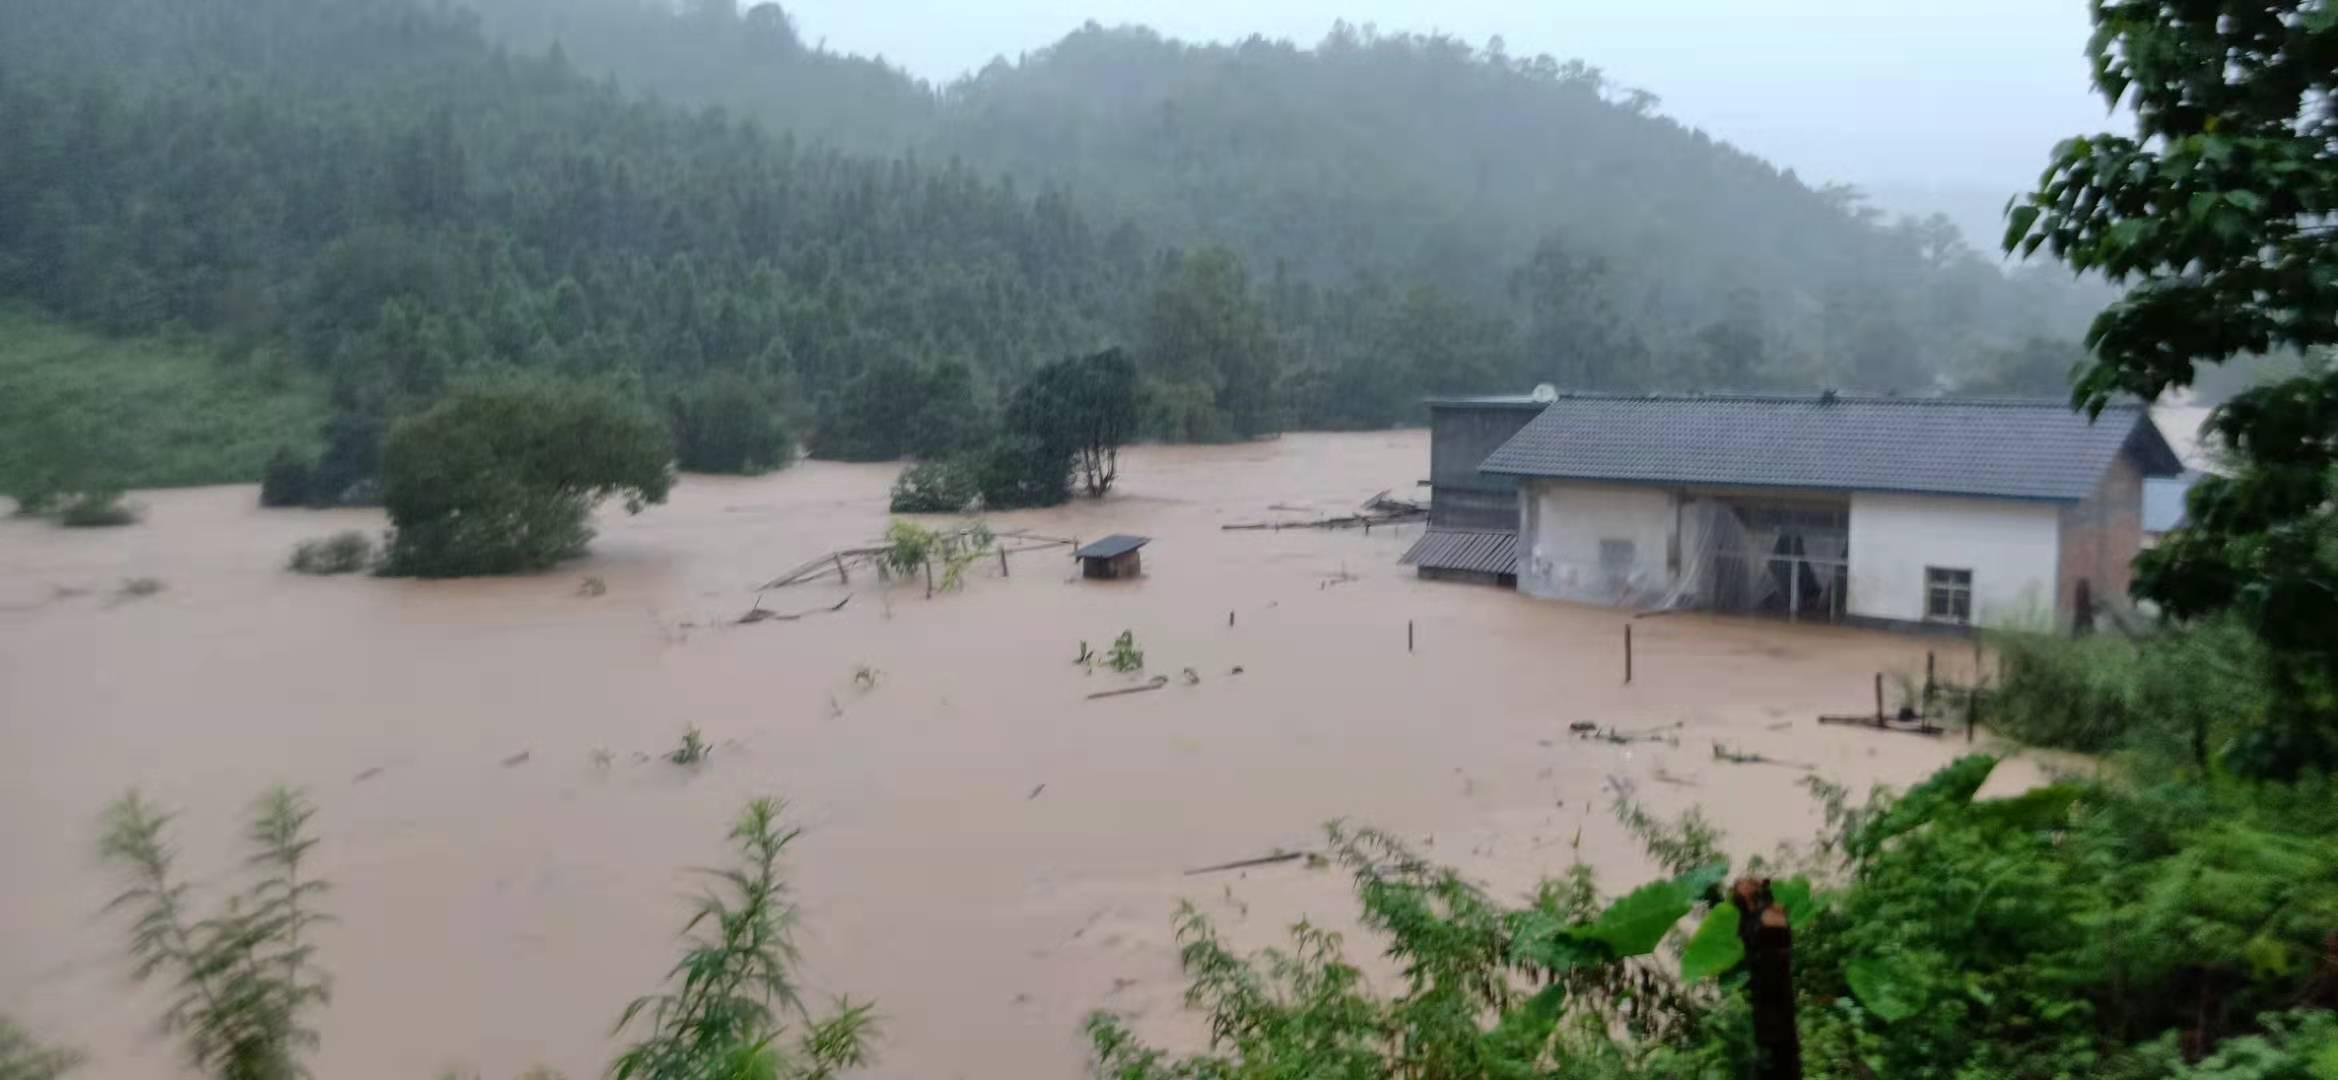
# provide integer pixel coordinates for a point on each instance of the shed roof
(2001, 448)
(1112, 546)
(1483, 551)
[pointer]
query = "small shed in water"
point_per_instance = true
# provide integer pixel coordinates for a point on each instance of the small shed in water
(1113, 557)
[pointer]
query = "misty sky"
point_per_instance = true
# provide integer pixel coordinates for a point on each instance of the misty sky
(1891, 94)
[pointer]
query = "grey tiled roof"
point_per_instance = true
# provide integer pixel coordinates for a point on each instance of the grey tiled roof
(1940, 446)
(1112, 546)
(1481, 551)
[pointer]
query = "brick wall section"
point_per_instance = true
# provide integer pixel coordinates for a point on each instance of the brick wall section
(2100, 536)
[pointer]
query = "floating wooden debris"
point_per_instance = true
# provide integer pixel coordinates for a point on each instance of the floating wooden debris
(758, 615)
(1348, 521)
(1916, 726)
(1157, 682)
(1724, 753)
(1244, 864)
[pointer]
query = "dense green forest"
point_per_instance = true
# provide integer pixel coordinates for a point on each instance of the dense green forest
(382, 199)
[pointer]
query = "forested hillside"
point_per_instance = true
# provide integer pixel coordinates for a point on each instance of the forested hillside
(383, 194)
(1625, 248)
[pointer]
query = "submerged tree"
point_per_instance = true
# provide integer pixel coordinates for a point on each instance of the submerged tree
(2218, 208)
(501, 478)
(1086, 405)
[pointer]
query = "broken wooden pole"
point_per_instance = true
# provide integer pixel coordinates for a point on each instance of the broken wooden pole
(929, 579)
(1244, 864)
(1627, 654)
(1003, 561)
(1229, 620)
(1157, 682)
(1408, 635)
(1879, 696)
(1768, 937)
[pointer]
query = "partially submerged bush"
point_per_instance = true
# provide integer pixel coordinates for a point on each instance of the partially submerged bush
(96, 510)
(287, 480)
(502, 478)
(728, 423)
(933, 487)
(341, 553)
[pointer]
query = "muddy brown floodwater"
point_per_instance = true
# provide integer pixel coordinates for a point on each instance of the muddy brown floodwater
(495, 913)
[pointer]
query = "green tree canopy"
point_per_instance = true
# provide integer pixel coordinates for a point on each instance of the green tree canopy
(2218, 210)
(500, 478)
(1087, 406)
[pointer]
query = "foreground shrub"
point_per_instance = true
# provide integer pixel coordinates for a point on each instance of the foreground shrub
(341, 553)
(22, 1058)
(242, 981)
(2079, 929)
(96, 510)
(2186, 690)
(726, 1011)
(502, 478)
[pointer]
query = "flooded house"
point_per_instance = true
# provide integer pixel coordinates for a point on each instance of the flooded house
(1879, 510)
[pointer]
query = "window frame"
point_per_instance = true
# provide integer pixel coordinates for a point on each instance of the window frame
(1941, 584)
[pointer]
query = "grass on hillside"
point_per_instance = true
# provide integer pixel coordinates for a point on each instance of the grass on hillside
(143, 412)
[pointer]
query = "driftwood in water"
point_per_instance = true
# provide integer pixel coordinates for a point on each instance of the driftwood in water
(1349, 521)
(1243, 864)
(1917, 727)
(1382, 504)
(757, 614)
(1158, 681)
(1723, 753)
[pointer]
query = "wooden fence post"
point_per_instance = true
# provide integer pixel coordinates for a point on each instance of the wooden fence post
(1931, 666)
(1408, 635)
(1003, 561)
(929, 579)
(1879, 696)
(1627, 654)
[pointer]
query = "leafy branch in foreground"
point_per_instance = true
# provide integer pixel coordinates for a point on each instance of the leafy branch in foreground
(243, 978)
(21, 1058)
(726, 1010)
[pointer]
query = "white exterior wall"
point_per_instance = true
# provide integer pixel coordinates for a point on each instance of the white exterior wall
(1560, 529)
(2012, 547)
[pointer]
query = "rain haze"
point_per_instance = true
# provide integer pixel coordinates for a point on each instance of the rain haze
(1924, 104)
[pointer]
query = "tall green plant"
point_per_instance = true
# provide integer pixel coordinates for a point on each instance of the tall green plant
(243, 980)
(733, 991)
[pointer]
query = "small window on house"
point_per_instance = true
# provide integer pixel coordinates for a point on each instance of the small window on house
(1948, 595)
(1616, 558)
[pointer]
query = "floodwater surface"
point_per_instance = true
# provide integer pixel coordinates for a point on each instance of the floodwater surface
(988, 853)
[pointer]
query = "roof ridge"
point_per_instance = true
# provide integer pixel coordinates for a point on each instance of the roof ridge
(1828, 397)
